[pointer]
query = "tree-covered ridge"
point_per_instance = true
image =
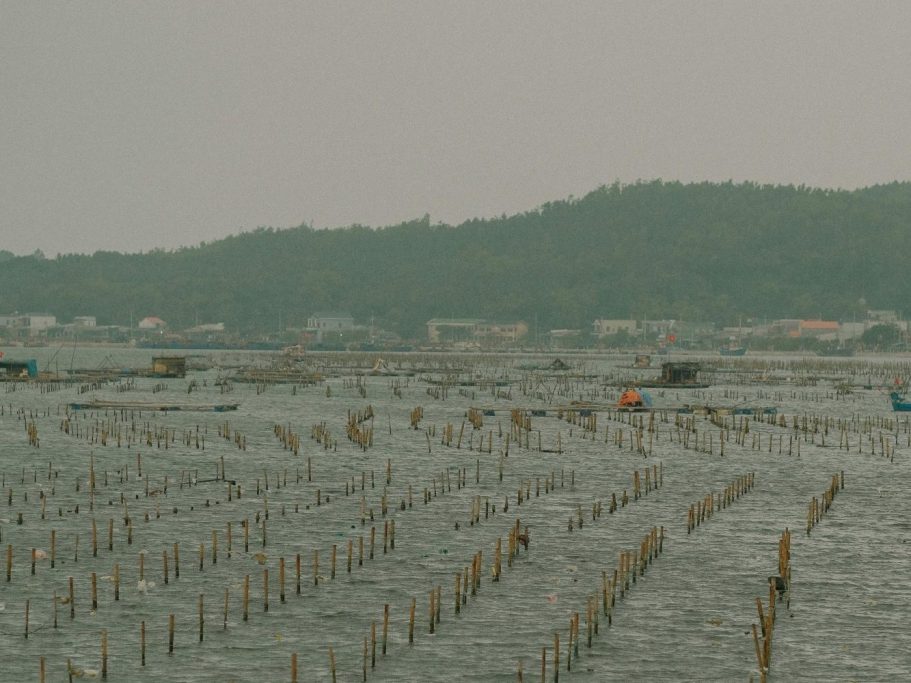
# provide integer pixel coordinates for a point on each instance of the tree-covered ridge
(653, 249)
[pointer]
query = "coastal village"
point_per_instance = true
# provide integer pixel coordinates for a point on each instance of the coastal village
(879, 330)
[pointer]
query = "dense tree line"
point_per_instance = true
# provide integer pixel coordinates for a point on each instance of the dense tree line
(700, 251)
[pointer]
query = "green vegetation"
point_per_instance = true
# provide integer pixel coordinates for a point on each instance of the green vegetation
(654, 249)
(881, 337)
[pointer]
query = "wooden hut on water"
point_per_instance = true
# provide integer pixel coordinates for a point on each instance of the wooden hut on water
(680, 372)
(677, 374)
(169, 366)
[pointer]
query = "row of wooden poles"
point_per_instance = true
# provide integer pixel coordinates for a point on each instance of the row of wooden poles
(653, 478)
(192, 479)
(99, 432)
(631, 566)
(76, 672)
(820, 506)
(448, 436)
(360, 435)
(467, 584)
(703, 509)
(70, 598)
(36, 554)
(92, 487)
(779, 586)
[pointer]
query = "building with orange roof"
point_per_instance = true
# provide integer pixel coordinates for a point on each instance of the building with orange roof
(821, 329)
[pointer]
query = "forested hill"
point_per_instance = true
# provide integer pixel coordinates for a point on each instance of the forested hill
(695, 252)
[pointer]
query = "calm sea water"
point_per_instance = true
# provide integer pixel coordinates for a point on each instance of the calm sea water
(688, 618)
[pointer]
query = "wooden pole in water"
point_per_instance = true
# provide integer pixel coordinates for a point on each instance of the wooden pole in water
(385, 626)
(246, 598)
(201, 618)
(332, 664)
(458, 592)
(438, 603)
(170, 634)
(758, 653)
(411, 621)
(373, 644)
(293, 667)
(556, 657)
(104, 654)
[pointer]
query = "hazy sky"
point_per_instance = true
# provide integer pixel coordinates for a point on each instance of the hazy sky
(133, 125)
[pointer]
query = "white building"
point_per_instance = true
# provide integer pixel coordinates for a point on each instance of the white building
(85, 321)
(39, 322)
(11, 320)
(152, 323)
(603, 327)
(322, 324)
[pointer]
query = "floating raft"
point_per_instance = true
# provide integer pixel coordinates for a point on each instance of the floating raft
(658, 384)
(291, 376)
(154, 407)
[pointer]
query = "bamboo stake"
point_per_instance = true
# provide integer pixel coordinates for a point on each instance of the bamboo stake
(104, 654)
(385, 626)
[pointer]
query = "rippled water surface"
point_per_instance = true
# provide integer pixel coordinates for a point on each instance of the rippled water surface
(687, 618)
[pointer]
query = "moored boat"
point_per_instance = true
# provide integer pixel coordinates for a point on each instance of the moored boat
(154, 407)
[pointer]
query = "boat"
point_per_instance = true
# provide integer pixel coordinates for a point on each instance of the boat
(899, 404)
(634, 399)
(735, 346)
(153, 407)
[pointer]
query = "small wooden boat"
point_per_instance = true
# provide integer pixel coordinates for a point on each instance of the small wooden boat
(153, 407)
(899, 404)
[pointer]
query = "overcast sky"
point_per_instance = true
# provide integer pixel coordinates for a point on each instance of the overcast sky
(133, 125)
